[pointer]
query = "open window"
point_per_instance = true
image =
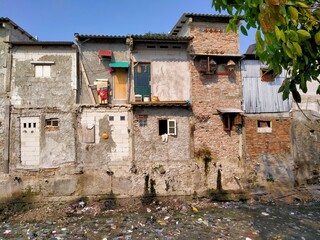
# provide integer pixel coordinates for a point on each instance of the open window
(264, 126)
(230, 117)
(267, 75)
(227, 123)
(168, 126)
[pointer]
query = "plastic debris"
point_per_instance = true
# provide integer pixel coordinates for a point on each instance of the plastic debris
(194, 209)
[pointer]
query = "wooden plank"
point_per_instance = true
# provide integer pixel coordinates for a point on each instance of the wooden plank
(93, 100)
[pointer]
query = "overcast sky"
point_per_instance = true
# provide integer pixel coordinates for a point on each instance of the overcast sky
(58, 20)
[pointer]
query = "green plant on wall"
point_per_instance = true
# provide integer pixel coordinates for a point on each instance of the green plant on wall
(205, 155)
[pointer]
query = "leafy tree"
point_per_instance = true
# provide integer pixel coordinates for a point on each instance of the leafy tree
(287, 37)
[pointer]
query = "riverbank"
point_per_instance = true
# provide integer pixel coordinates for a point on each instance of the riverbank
(172, 218)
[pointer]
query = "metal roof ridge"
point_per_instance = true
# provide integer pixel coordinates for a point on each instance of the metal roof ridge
(100, 36)
(42, 43)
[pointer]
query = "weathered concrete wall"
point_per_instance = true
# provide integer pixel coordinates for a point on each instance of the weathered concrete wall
(57, 144)
(2, 131)
(306, 147)
(149, 146)
(3, 58)
(16, 34)
(97, 151)
(169, 71)
(99, 69)
(58, 90)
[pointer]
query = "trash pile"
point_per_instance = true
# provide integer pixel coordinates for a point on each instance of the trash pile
(169, 220)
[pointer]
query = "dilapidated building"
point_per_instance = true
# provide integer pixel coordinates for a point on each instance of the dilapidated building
(182, 113)
(267, 124)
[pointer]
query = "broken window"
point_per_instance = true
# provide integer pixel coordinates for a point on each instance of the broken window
(267, 75)
(168, 126)
(111, 118)
(52, 124)
(264, 126)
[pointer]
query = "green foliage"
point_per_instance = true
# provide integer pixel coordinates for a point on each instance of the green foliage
(287, 37)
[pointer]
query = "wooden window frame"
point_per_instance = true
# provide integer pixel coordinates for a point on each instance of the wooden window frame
(52, 124)
(143, 120)
(170, 126)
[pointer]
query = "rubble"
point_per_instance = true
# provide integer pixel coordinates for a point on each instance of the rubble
(165, 220)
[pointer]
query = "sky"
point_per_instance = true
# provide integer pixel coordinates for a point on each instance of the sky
(58, 20)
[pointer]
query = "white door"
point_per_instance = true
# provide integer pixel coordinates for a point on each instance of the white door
(30, 141)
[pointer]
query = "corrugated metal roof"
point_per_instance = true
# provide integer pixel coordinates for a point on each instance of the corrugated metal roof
(16, 26)
(199, 18)
(136, 38)
(80, 37)
(43, 43)
(164, 38)
(260, 96)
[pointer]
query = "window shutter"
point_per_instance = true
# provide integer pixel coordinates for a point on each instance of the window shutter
(172, 127)
(46, 70)
(38, 70)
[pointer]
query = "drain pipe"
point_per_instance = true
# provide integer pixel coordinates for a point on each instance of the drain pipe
(7, 125)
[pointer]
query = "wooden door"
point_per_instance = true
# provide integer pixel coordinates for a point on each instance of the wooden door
(120, 84)
(142, 77)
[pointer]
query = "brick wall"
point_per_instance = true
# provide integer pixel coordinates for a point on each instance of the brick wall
(275, 142)
(212, 91)
(212, 38)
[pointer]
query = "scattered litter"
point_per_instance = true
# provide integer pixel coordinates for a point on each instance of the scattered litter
(194, 209)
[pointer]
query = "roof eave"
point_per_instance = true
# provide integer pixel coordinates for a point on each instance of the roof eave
(16, 26)
(41, 43)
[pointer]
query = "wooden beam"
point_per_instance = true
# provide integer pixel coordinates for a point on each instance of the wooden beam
(93, 100)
